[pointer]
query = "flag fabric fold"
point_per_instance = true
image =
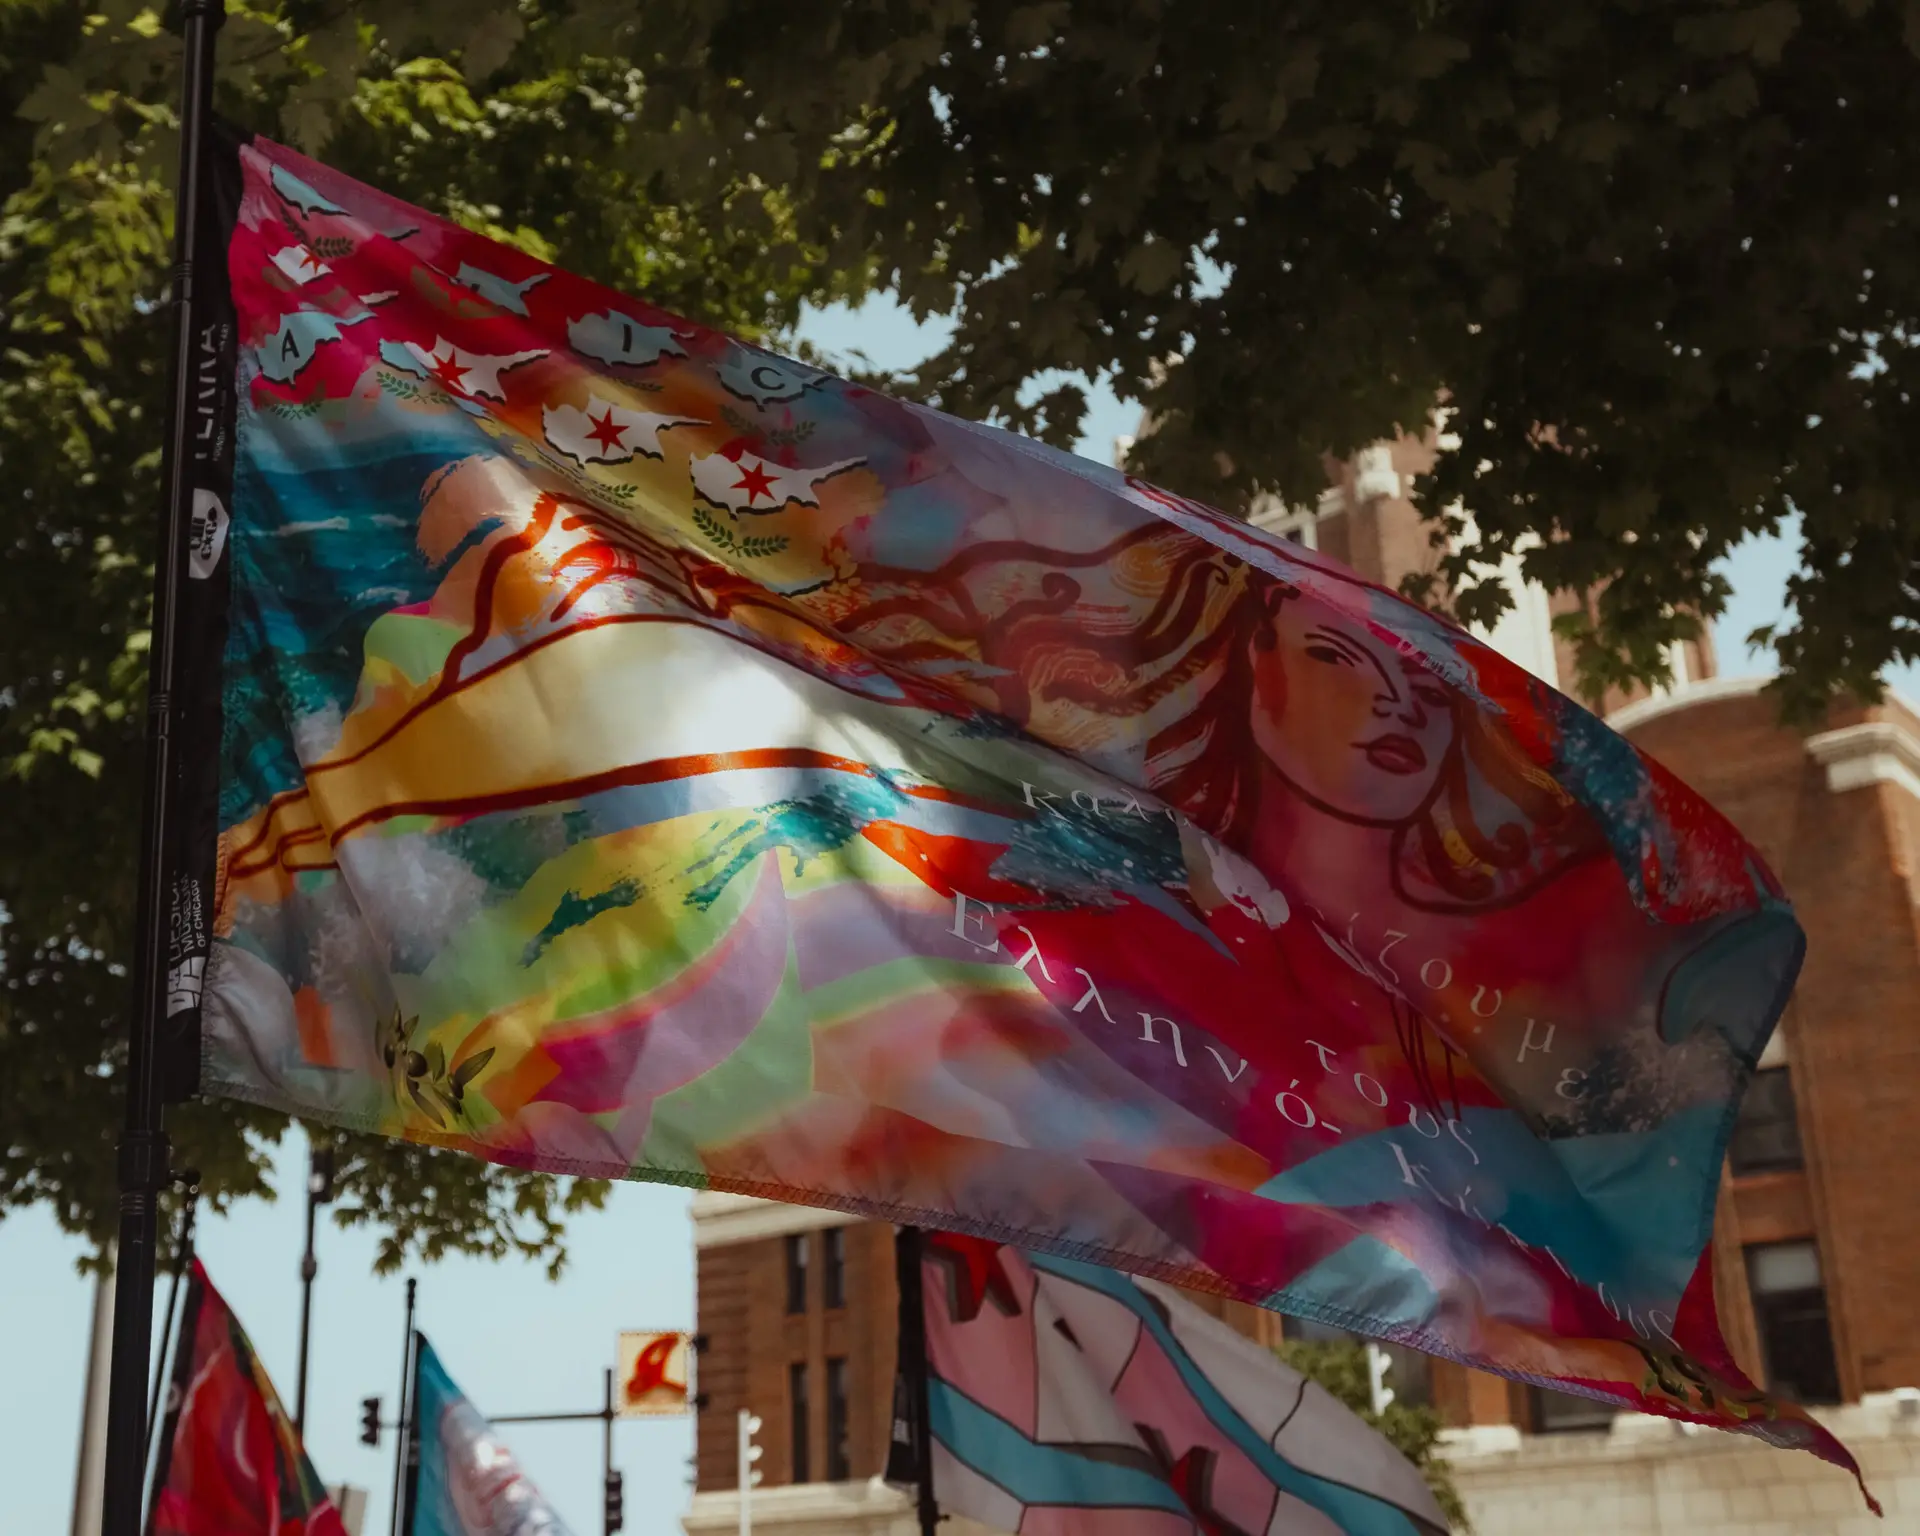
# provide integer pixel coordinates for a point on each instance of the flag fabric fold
(1071, 1399)
(464, 1481)
(642, 755)
(230, 1463)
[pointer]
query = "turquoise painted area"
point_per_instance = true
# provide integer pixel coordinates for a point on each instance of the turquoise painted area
(1369, 1278)
(829, 818)
(1034, 1473)
(1354, 1512)
(576, 911)
(309, 583)
(1737, 982)
(297, 445)
(458, 1445)
(1626, 1208)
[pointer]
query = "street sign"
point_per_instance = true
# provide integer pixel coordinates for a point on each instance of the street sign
(651, 1379)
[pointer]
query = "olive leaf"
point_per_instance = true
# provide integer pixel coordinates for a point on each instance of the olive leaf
(422, 1073)
(468, 1070)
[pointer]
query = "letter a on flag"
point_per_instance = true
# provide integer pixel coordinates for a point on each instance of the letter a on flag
(623, 751)
(230, 1463)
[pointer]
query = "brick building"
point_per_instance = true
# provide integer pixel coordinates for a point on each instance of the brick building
(1819, 1251)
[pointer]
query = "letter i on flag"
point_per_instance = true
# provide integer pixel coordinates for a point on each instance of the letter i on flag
(230, 1463)
(1070, 1399)
(623, 751)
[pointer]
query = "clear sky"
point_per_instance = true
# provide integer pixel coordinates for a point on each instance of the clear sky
(516, 1343)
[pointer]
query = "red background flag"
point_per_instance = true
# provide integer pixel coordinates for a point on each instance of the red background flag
(230, 1463)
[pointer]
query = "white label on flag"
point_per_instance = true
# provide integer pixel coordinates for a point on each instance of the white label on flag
(184, 982)
(208, 536)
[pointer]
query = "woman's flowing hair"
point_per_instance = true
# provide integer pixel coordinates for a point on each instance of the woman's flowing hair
(1145, 645)
(615, 547)
(1496, 828)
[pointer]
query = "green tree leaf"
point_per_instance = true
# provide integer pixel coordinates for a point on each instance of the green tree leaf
(85, 230)
(1671, 303)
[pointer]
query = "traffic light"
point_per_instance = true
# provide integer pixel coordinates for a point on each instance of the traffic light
(616, 1502)
(750, 1475)
(369, 1421)
(1379, 1362)
(320, 1174)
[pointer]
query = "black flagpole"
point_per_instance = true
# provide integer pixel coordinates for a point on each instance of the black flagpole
(182, 1256)
(400, 1457)
(319, 1193)
(607, 1525)
(143, 1143)
(913, 1368)
(412, 1433)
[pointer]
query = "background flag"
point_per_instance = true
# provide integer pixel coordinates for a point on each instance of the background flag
(229, 1461)
(643, 755)
(467, 1482)
(1073, 1400)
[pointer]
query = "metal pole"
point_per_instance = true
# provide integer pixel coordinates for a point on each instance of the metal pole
(182, 1253)
(143, 1141)
(593, 1415)
(913, 1364)
(746, 1473)
(90, 1466)
(319, 1193)
(606, 1457)
(412, 1441)
(406, 1416)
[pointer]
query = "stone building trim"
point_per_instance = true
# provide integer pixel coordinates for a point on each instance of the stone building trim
(866, 1507)
(1706, 691)
(1658, 1477)
(1874, 752)
(720, 1219)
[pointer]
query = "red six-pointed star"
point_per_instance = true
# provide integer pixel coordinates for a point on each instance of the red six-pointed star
(448, 372)
(756, 482)
(606, 433)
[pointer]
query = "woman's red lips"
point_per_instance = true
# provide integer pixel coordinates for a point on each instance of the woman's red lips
(1395, 754)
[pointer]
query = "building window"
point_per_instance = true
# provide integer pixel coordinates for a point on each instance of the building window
(798, 1419)
(833, 1272)
(1790, 1310)
(1766, 1136)
(839, 1463)
(1554, 1412)
(797, 1273)
(1374, 475)
(1297, 525)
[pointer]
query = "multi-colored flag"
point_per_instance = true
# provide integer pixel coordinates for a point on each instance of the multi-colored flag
(463, 1481)
(634, 753)
(229, 1461)
(1069, 1399)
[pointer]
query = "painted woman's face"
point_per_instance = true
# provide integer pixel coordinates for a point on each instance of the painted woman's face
(1345, 719)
